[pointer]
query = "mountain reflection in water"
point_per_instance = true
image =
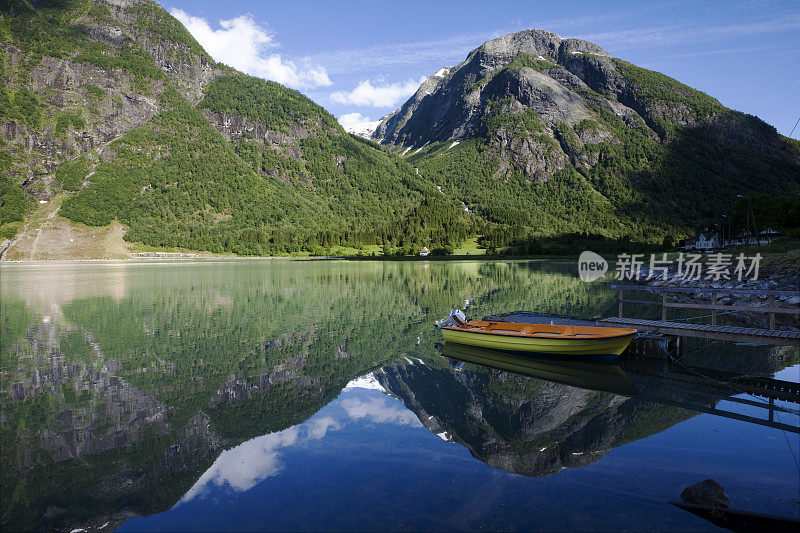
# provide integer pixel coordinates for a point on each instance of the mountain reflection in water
(310, 393)
(554, 413)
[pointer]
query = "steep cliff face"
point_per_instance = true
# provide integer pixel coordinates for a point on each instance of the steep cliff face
(111, 107)
(641, 153)
(450, 104)
(564, 81)
(92, 71)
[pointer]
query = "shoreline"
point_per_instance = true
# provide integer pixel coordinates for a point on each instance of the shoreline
(289, 257)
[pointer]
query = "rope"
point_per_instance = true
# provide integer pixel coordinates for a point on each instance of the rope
(725, 383)
(728, 384)
(795, 125)
(701, 316)
(796, 464)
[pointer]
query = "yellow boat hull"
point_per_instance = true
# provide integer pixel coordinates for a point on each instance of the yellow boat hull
(602, 346)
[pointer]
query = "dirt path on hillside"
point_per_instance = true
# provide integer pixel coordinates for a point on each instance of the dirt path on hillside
(39, 231)
(48, 236)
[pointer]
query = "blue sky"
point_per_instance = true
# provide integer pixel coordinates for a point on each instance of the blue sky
(368, 57)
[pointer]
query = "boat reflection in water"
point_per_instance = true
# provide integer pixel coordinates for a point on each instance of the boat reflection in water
(657, 380)
(535, 416)
(605, 376)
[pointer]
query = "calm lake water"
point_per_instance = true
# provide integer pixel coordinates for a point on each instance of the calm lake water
(305, 395)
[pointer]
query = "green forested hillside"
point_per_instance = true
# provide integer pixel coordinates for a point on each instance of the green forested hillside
(287, 178)
(177, 182)
(543, 137)
(640, 188)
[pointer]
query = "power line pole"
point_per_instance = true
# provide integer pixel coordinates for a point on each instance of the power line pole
(753, 216)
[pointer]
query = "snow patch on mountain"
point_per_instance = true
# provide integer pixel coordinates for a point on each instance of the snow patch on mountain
(358, 124)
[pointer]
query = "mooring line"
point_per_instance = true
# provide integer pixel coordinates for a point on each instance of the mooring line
(758, 400)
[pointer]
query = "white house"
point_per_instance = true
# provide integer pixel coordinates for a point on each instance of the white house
(707, 240)
(424, 252)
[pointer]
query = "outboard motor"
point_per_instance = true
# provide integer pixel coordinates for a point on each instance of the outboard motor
(458, 317)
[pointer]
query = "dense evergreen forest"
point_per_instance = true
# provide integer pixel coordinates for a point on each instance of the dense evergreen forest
(115, 109)
(197, 193)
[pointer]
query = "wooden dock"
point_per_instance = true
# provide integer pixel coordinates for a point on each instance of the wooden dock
(714, 330)
(770, 308)
(661, 327)
(659, 338)
(727, 333)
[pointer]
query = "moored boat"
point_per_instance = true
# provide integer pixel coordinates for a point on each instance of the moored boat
(539, 338)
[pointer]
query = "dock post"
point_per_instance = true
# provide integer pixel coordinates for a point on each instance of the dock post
(772, 315)
(619, 299)
(713, 310)
(663, 307)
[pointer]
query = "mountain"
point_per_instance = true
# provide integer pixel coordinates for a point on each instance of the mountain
(116, 124)
(113, 116)
(549, 136)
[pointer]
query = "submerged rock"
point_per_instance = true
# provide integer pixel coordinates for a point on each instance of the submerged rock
(707, 492)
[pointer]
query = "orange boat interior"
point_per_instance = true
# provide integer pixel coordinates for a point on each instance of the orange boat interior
(543, 330)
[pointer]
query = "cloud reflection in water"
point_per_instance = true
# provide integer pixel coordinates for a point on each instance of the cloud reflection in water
(244, 466)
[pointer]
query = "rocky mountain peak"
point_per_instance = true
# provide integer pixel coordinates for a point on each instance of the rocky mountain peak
(450, 101)
(539, 43)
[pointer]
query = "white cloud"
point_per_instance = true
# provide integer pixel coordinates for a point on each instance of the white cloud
(242, 43)
(377, 410)
(364, 126)
(367, 94)
(318, 427)
(240, 468)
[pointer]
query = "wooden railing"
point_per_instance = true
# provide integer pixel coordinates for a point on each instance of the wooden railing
(770, 308)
